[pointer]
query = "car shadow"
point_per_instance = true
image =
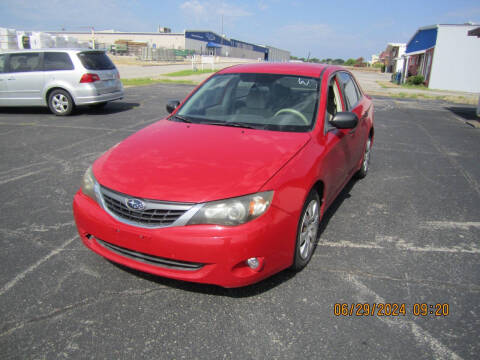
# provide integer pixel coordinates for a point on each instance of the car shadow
(465, 112)
(110, 108)
(250, 290)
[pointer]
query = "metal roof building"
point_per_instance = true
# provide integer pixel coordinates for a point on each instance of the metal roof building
(200, 41)
(446, 56)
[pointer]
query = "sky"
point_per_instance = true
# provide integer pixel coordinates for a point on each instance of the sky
(323, 29)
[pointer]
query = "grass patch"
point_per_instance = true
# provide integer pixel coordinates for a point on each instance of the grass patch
(447, 98)
(411, 86)
(389, 85)
(150, 81)
(190, 72)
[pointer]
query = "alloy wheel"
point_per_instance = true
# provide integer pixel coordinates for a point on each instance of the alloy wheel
(308, 229)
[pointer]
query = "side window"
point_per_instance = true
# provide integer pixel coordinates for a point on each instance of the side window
(349, 90)
(25, 62)
(334, 103)
(3, 58)
(56, 61)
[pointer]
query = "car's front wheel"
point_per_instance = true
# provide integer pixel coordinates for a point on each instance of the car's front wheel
(60, 102)
(307, 231)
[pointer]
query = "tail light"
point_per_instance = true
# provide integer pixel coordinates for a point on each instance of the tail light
(89, 78)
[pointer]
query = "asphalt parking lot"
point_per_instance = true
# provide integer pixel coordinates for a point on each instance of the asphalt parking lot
(408, 233)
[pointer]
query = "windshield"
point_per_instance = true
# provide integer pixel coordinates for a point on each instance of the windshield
(263, 101)
(96, 60)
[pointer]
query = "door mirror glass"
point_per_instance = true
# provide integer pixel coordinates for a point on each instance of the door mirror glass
(344, 120)
(172, 105)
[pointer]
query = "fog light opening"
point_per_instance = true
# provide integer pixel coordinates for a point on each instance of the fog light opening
(253, 263)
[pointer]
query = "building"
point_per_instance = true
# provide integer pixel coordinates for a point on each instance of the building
(446, 56)
(393, 59)
(199, 41)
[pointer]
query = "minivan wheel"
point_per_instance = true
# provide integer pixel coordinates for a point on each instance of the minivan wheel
(366, 160)
(307, 231)
(60, 103)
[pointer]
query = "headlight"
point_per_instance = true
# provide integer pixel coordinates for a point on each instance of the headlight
(88, 184)
(233, 211)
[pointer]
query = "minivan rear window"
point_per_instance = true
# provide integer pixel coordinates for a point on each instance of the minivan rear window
(53, 61)
(96, 60)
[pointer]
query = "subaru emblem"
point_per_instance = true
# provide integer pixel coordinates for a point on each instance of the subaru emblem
(135, 204)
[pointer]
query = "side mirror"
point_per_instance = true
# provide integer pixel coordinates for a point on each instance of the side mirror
(172, 105)
(344, 120)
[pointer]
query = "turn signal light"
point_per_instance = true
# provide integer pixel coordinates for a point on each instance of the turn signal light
(89, 78)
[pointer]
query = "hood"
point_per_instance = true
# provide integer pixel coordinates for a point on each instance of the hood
(173, 161)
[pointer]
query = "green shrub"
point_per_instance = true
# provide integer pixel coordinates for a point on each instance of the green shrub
(415, 80)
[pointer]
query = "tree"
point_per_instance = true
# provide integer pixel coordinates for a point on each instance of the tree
(350, 62)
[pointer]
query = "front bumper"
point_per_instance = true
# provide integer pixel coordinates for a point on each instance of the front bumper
(218, 253)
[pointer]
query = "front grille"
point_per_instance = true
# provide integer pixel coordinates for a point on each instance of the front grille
(155, 214)
(151, 260)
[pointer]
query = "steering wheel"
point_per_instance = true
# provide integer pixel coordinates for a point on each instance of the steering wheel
(294, 112)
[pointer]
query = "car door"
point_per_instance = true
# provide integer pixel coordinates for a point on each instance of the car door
(25, 79)
(3, 80)
(356, 137)
(335, 171)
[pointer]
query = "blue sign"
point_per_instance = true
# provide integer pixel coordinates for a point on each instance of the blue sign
(210, 37)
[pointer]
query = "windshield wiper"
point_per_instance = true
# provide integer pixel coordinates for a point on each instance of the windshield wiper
(235, 124)
(182, 118)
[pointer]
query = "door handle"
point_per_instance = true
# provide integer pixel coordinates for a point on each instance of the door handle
(11, 79)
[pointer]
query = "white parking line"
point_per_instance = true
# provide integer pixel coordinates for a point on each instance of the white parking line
(31, 268)
(423, 337)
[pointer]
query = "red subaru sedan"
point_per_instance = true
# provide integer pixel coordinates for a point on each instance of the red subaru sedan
(231, 186)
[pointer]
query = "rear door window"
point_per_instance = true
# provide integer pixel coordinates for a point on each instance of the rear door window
(95, 60)
(57, 61)
(349, 90)
(25, 62)
(3, 59)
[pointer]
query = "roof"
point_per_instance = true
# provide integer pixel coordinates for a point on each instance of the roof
(425, 38)
(109, 32)
(49, 50)
(303, 69)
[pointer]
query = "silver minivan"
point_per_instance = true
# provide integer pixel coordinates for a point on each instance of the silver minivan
(57, 78)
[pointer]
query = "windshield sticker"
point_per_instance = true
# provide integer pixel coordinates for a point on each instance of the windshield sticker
(303, 82)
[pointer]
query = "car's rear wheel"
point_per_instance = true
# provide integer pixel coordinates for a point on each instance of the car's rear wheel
(307, 231)
(366, 160)
(60, 102)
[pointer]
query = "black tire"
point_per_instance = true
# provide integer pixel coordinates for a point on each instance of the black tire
(98, 105)
(307, 231)
(366, 160)
(60, 103)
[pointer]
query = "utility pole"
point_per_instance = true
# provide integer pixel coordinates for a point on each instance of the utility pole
(93, 37)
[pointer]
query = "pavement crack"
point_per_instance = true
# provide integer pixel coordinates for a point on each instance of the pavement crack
(78, 305)
(406, 280)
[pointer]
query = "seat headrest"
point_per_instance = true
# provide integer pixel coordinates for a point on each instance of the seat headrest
(256, 99)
